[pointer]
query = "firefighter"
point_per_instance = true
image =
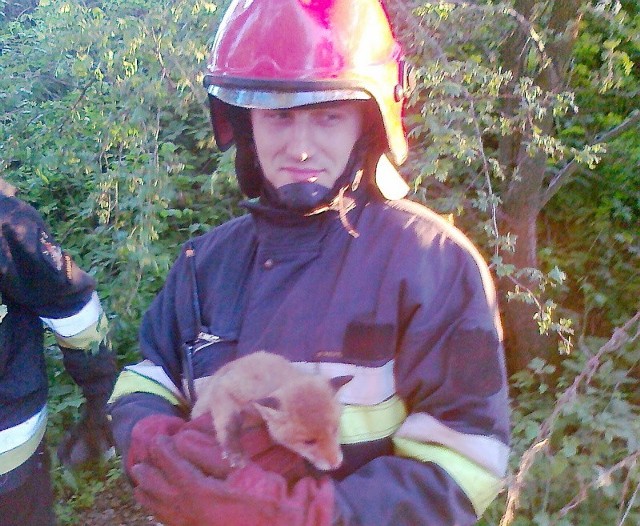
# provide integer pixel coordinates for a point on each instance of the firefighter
(40, 283)
(333, 269)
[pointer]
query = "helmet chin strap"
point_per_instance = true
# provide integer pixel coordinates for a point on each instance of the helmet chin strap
(302, 197)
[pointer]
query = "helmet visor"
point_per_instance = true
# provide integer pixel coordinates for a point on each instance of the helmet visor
(277, 100)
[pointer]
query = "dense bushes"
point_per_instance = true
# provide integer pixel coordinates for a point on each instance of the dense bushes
(104, 129)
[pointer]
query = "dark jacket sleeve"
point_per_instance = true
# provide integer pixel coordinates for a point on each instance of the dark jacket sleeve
(450, 368)
(128, 410)
(38, 274)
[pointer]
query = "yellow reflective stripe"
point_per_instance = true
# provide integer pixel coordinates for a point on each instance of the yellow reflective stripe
(130, 382)
(487, 451)
(17, 456)
(363, 423)
(479, 484)
(86, 339)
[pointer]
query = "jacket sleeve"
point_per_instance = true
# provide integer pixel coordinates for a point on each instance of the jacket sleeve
(153, 385)
(39, 274)
(450, 453)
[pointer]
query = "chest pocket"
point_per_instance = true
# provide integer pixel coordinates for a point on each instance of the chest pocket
(367, 342)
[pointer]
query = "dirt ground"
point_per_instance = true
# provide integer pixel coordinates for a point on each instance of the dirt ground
(115, 507)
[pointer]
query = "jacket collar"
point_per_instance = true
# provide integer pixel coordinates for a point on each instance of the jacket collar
(280, 227)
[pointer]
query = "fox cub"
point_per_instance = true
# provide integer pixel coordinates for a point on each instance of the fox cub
(300, 410)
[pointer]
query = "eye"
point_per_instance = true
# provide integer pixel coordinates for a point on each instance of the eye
(280, 115)
(275, 117)
(330, 117)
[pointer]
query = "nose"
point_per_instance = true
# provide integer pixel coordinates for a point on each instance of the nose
(300, 140)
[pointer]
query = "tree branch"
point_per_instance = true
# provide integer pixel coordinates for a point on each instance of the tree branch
(563, 176)
(628, 332)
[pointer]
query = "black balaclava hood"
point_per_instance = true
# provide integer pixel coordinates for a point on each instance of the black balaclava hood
(304, 197)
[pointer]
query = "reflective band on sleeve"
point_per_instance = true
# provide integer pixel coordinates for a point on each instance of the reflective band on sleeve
(18, 443)
(480, 486)
(88, 338)
(366, 423)
(88, 315)
(132, 381)
(489, 452)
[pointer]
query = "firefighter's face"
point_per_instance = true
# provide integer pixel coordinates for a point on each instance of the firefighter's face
(307, 144)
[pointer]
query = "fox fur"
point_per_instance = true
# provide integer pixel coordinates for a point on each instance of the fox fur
(300, 410)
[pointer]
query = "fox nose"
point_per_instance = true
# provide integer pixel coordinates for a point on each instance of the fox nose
(330, 463)
(337, 460)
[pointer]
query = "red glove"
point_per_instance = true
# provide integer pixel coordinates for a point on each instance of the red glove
(145, 431)
(196, 442)
(181, 495)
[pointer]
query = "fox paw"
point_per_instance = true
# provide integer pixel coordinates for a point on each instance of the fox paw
(235, 459)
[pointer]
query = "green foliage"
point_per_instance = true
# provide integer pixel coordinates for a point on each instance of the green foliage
(576, 437)
(479, 122)
(103, 126)
(77, 491)
(592, 225)
(594, 228)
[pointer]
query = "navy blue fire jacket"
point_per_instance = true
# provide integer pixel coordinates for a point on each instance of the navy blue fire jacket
(391, 294)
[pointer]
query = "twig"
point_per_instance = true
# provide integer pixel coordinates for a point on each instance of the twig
(633, 497)
(570, 168)
(75, 104)
(619, 338)
(582, 495)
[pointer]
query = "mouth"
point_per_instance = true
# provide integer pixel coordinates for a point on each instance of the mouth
(299, 175)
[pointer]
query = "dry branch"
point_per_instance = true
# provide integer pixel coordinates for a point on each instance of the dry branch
(621, 336)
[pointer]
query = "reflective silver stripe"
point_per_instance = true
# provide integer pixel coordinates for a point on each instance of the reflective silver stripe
(17, 435)
(88, 315)
(486, 451)
(370, 385)
(19, 442)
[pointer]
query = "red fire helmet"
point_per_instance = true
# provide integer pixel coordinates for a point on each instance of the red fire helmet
(275, 54)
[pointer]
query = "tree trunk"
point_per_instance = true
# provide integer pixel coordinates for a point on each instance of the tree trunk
(523, 341)
(523, 198)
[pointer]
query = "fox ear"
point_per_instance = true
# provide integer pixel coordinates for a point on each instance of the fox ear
(268, 408)
(338, 381)
(268, 401)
